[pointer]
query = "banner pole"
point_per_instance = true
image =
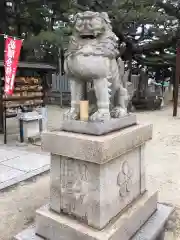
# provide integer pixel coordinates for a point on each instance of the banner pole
(4, 102)
(5, 126)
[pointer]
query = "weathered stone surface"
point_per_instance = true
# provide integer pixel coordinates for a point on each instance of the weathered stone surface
(79, 188)
(142, 168)
(53, 226)
(97, 149)
(99, 128)
(153, 229)
(22, 177)
(55, 183)
(8, 173)
(143, 184)
(28, 234)
(28, 162)
(94, 60)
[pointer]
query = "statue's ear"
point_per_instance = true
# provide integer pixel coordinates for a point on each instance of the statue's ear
(76, 17)
(105, 16)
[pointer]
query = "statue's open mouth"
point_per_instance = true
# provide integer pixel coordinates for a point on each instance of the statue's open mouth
(90, 36)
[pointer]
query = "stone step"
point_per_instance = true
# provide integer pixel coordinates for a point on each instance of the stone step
(52, 226)
(151, 230)
(154, 228)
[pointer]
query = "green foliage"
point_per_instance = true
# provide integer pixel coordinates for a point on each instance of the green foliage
(149, 27)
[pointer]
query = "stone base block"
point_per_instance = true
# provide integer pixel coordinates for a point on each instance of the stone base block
(96, 149)
(93, 178)
(53, 226)
(79, 188)
(99, 128)
(153, 229)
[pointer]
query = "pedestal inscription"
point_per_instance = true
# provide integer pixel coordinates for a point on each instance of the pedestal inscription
(95, 193)
(77, 191)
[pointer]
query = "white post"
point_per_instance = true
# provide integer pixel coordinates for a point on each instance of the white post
(44, 119)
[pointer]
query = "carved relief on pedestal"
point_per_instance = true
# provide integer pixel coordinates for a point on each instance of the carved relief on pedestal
(76, 188)
(124, 179)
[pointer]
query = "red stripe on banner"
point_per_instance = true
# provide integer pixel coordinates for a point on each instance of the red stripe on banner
(11, 59)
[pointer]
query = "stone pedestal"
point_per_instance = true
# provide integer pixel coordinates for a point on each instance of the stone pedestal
(94, 178)
(97, 189)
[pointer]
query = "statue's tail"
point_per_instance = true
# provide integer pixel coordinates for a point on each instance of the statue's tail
(124, 75)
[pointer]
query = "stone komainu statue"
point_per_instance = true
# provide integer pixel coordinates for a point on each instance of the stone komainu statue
(92, 57)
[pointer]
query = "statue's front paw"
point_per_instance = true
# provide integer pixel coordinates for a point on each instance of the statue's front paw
(100, 116)
(118, 112)
(71, 114)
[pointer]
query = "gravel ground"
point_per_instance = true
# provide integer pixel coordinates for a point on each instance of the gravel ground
(18, 205)
(163, 158)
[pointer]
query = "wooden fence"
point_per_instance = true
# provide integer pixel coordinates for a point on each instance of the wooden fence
(60, 89)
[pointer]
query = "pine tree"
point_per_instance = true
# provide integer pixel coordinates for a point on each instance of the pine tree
(150, 28)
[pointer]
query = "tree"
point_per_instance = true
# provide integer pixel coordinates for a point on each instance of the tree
(148, 27)
(54, 35)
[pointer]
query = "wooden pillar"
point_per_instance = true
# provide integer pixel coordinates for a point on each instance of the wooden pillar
(176, 83)
(173, 80)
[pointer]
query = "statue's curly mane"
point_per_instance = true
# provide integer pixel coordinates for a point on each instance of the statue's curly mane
(93, 29)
